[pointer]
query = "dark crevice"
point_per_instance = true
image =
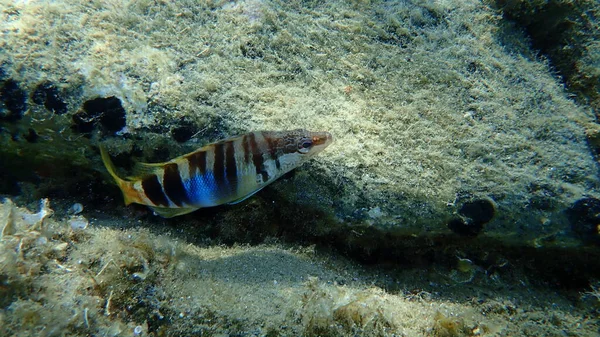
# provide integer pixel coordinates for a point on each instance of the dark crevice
(13, 101)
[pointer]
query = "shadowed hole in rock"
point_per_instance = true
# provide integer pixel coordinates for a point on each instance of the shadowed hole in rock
(473, 216)
(584, 216)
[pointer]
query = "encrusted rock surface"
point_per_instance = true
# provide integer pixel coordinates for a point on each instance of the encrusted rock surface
(433, 106)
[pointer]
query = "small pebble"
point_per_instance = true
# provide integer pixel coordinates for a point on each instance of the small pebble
(61, 246)
(78, 222)
(76, 208)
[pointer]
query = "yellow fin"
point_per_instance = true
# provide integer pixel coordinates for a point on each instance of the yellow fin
(167, 212)
(110, 167)
(145, 169)
(124, 185)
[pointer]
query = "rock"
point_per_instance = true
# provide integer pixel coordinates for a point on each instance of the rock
(445, 106)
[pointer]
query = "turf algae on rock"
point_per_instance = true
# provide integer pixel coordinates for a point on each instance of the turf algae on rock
(423, 100)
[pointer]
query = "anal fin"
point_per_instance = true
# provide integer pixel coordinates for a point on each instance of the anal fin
(237, 201)
(167, 212)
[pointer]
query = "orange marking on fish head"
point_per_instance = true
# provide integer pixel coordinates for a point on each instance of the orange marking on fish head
(322, 138)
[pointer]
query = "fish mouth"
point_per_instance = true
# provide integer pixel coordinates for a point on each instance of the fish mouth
(322, 139)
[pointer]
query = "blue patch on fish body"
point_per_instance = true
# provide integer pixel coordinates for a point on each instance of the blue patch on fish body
(202, 190)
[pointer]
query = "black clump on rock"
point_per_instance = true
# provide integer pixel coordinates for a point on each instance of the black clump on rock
(584, 216)
(31, 136)
(160, 154)
(47, 94)
(465, 227)
(473, 216)
(83, 122)
(112, 114)
(106, 111)
(13, 101)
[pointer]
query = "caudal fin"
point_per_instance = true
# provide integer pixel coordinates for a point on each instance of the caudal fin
(124, 185)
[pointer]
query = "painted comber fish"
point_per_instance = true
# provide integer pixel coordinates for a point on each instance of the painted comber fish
(225, 172)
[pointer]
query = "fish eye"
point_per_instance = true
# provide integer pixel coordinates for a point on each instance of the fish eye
(304, 146)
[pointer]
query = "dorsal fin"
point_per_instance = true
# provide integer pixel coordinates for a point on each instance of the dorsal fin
(144, 169)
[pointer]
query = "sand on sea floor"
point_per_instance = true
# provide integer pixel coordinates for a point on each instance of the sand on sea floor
(59, 278)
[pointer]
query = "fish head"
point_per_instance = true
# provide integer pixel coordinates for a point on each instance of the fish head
(289, 149)
(308, 144)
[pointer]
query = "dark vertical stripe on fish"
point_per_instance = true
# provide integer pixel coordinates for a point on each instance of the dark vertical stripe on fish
(257, 158)
(230, 166)
(272, 150)
(246, 146)
(197, 161)
(219, 164)
(154, 191)
(173, 185)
